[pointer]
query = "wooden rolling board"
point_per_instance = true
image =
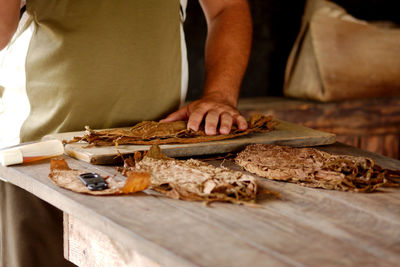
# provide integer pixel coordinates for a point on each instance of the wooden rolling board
(286, 133)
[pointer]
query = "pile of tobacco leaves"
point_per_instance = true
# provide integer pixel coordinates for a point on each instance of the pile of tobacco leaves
(193, 180)
(314, 168)
(190, 180)
(152, 132)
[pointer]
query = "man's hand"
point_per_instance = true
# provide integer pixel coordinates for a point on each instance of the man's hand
(215, 113)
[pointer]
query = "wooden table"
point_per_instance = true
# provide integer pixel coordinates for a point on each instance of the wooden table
(306, 227)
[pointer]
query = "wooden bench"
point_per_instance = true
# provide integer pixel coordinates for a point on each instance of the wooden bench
(372, 124)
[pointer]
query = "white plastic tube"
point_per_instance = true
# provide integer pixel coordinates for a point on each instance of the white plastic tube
(31, 152)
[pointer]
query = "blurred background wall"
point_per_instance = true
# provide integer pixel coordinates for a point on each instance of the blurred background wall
(276, 24)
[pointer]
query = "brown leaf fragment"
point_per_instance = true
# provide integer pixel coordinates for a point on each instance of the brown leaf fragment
(151, 132)
(137, 181)
(392, 178)
(130, 162)
(138, 156)
(155, 153)
(58, 164)
(313, 168)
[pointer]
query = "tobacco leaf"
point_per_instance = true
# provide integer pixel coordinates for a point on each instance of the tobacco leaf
(151, 132)
(313, 168)
(58, 164)
(62, 175)
(194, 180)
(137, 181)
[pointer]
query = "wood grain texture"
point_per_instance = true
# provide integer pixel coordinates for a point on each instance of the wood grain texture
(86, 246)
(351, 117)
(306, 227)
(285, 134)
(349, 140)
(371, 124)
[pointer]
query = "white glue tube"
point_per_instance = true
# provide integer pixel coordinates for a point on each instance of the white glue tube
(31, 152)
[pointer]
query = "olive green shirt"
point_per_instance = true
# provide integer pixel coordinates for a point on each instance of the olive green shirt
(101, 63)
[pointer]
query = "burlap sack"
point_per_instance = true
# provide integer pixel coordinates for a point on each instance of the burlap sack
(338, 57)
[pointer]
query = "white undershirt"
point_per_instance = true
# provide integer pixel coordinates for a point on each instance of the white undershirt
(14, 104)
(185, 65)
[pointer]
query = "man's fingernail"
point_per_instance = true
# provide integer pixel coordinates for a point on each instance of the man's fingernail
(210, 132)
(191, 128)
(224, 130)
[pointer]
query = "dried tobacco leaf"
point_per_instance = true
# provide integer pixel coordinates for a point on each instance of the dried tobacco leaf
(137, 181)
(313, 168)
(67, 178)
(194, 180)
(151, 132)
(58, 164)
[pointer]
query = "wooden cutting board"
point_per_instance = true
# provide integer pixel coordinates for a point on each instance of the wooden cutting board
(286, 133)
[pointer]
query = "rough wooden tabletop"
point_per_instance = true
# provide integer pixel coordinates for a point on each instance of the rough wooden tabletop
(306, 227)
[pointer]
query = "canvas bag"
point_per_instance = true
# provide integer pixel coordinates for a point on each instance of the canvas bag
(337, 57)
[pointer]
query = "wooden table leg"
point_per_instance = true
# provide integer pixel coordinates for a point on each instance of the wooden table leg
(86, 246)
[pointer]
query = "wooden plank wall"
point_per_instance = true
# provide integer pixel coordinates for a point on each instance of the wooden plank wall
(370, 124)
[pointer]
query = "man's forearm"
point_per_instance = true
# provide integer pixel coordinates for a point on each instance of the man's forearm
(227, 51)
(9, 17)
